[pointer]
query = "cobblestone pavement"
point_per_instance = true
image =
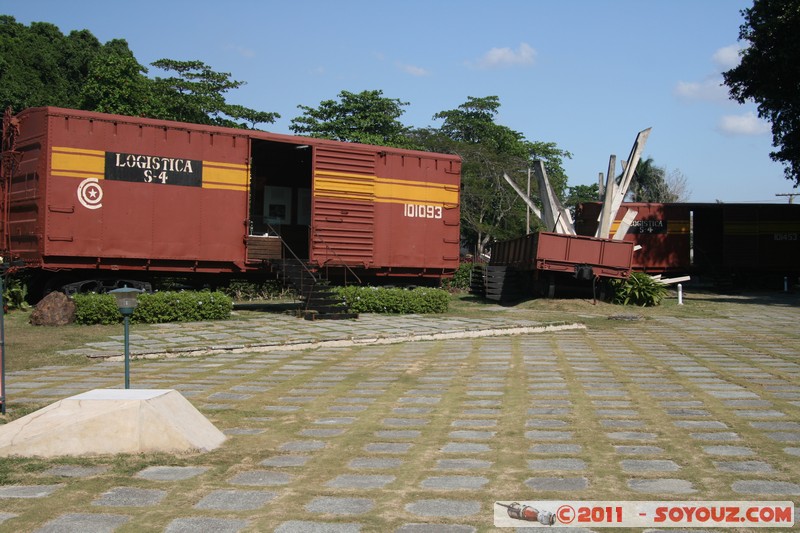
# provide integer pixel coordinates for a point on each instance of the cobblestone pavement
(424, 436)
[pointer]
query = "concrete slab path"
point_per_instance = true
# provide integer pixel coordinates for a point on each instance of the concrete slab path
(426, 436)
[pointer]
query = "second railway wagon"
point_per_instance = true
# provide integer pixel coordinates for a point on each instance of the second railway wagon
(749, 241)
(89, 195)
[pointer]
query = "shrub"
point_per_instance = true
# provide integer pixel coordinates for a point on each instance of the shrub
(155, 308)
(15, 292)
(421, 300)
(461, 278)
(639, 289)
(243, 290)
(91, 308)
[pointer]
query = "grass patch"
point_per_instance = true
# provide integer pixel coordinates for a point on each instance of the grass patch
(30, 346)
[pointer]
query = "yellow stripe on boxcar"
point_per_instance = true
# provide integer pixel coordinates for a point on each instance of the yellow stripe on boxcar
(77, 162)
(674, 227)
(382, 190)
(230, 176)
(344, 185)
(761, 227)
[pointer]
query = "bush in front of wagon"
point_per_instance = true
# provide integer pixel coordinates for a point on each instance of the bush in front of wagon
(461, 278)
(248, 291)
(91, 308)
(421, 300)
(186, 306)
(639, 289)
(155, 308)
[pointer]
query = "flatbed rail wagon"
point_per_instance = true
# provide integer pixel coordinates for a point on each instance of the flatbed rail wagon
(536, 263)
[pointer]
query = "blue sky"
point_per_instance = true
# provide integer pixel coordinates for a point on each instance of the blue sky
(587, 75)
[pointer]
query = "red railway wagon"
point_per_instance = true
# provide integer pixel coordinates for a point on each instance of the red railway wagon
(538, 263)
(87, 193)
(746, 239)
(716, 240)
(662, 230)
(565, 253)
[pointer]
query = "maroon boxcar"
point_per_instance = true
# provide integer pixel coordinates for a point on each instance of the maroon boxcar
(716, 240)
(88, 192)
(746, 239)
(662, 230)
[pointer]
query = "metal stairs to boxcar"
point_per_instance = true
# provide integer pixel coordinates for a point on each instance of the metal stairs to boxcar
(318, 300)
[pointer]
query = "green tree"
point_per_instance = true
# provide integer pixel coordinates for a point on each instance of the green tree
(116, 83)
(490, 209)
(769, 75)
(80, 50)
(250, 116)
(367, 117)
(580, 194)
(40, 66)
(196, 94)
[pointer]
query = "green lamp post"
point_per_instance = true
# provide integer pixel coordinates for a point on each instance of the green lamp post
(127, 300)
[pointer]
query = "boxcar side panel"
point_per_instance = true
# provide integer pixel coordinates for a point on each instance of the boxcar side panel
(418, 200)
(142, 192)
(22, 233)
(662, 230)
(391, 211)
(761, 238)
(343, 207)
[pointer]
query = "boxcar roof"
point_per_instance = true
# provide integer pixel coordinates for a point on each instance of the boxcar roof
(254, 134)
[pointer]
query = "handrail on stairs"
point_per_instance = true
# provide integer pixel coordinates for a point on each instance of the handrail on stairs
(299, 261)
(345, 265)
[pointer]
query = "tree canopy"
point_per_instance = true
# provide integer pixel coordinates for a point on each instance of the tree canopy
(40, 66)
(490, 209)
(769, 75)
(116, 83)
(196, 94)
(367, 117)
(649, 183)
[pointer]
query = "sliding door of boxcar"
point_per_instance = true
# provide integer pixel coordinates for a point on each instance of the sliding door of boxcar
(343, 220)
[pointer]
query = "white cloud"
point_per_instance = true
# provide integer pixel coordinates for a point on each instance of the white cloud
(708, 90)
(242, 50)
(711, 89)
(747, 124)
(727, 57)
(413, 70)
(506, 57)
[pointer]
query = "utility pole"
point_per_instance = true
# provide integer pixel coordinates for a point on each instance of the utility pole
(791, 196)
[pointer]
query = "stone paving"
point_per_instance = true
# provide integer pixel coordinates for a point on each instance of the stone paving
(282, 329)
(425, 436)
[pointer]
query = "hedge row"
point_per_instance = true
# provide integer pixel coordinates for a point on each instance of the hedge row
(421, 300)
(155, 308)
